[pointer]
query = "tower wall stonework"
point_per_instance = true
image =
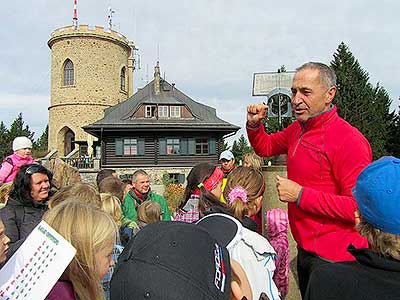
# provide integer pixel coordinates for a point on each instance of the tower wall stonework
(98, 57)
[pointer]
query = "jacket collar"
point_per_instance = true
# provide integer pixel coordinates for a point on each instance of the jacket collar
(320, 118)
(373, 259)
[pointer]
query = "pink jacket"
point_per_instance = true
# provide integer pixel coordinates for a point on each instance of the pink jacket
(276, 225)
(324, 155)
(11, 165)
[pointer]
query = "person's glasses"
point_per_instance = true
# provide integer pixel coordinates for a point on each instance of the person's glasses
(33, 169)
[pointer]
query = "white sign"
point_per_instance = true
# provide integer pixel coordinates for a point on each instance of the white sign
(35, 268)
(264, 83)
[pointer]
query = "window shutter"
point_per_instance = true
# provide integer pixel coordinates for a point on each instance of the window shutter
(184, 146)
(162, 145)
(212, 146)
(181, 178)
(192, 146)
(119, 147)
(140, 146)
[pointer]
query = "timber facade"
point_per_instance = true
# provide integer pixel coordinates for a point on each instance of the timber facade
(160, 126)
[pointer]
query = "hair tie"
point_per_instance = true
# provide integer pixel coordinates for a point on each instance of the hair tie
(237, 192)
(200, 185)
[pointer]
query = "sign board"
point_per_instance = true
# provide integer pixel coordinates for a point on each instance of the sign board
(35, 268)
(264, 83)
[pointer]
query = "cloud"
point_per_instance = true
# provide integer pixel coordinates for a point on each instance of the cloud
(210, 49)
(33, 108)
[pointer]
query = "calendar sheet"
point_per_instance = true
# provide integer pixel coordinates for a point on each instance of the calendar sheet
(37, 265)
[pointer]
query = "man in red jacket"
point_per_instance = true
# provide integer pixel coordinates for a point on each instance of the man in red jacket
(325, 154)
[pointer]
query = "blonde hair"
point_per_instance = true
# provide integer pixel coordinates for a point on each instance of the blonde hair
(149, 212)
(252, 182)
(83, 192)
(382, 242)
(89, 230)
(5, 190)
(111, 205)
(255, 161)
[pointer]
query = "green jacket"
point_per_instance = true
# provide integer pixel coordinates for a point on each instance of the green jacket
(129, 209)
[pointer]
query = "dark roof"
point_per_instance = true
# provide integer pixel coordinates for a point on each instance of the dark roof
(119, 117)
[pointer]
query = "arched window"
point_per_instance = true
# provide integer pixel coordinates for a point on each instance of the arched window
(122, 79)
(68, 72)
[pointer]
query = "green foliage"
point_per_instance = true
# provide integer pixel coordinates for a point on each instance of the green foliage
(19, 128)
(240, 148)
(359, 103)
(393, 142)
(40, 145)
(5, 145)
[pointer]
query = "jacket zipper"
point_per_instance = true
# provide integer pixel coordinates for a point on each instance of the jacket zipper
(298, 142)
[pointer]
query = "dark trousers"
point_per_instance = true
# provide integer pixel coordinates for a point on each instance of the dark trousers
(307, 262)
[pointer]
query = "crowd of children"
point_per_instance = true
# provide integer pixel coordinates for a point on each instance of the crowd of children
(211, 250)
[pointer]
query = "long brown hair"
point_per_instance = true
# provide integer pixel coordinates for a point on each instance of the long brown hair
(252, 182)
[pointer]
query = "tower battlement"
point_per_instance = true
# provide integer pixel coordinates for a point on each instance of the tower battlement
(89, 31)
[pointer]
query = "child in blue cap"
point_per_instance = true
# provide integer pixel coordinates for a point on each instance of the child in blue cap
(376, 272)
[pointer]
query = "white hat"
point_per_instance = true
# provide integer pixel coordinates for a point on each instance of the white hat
(21, 142)
(227, 154)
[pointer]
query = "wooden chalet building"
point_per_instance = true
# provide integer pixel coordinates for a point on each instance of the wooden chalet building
(159, 126)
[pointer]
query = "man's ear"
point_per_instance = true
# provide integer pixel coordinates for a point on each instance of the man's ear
(330, 94)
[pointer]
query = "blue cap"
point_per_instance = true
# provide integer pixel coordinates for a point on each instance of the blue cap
(377, 192)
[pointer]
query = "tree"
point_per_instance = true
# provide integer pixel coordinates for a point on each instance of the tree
(40, 145)
(4, 142)
(358, 102)
(17, 128)
(393, 143)
(240, 148)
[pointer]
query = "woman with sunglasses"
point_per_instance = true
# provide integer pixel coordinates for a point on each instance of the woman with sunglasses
(26, 204)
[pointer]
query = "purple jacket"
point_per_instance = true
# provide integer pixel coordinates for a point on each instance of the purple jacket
(63, 290)
(11, 166)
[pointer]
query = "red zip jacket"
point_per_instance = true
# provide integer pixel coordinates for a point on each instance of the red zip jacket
(325, 156)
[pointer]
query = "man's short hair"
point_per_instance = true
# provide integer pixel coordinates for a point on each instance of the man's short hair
(137, 173)
(103, 174)
(326, 74)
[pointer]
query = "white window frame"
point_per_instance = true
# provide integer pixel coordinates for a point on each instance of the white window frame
(163, 111)
(149, 111)
(132, 145)
(175, 111)
(173, 146)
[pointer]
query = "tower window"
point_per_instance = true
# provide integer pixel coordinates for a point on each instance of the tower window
(122, 79)
(68, 72)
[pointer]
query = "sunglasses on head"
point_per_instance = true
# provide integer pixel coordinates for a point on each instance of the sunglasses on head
(33, 169)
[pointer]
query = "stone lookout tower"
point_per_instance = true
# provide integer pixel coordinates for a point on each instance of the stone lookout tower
(91, 70)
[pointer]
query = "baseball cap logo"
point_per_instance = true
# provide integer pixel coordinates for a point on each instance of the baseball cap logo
(220, 275)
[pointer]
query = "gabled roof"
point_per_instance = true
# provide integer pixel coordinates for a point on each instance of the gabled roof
(121, 116)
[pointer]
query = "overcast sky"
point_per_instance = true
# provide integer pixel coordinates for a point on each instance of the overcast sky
(210, 49)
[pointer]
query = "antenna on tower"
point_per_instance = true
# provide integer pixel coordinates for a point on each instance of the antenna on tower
(75, 17)
(109, 17)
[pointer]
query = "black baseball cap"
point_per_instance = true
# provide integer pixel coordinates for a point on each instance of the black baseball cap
(172, 261)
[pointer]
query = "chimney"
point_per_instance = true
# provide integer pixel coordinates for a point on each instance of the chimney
(157, 79)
